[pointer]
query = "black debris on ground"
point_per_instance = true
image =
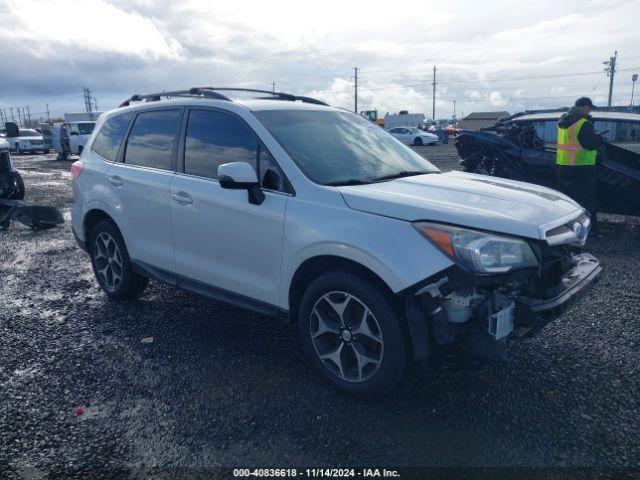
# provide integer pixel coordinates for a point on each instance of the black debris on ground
(213, 385)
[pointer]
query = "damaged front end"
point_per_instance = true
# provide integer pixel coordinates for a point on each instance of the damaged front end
(501, 288)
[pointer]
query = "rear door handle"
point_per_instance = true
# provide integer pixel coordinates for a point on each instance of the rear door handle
(115, 180)
(182, 198)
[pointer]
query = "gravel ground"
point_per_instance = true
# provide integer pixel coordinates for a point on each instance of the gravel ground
(218, 386)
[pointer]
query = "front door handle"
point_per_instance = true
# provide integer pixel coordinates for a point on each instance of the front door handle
(182, 198)
(115, 180)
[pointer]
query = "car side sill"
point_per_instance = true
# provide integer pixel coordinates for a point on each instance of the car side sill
(209, 291)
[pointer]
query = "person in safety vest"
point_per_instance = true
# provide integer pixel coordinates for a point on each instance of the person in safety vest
(578, 145)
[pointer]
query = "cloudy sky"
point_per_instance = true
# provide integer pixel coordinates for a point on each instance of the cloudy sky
(490, 55)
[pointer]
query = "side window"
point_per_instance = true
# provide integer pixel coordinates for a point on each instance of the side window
(271, 177)
(151, 140)
(107, 141)
(214, 138)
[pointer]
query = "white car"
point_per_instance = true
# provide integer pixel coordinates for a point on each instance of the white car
(27, 140)
(295, 209)
(414, 136)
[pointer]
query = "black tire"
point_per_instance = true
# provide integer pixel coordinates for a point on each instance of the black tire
(417, 142)
(46, 152)
(130, 284)
(80, 148)
(393, 354)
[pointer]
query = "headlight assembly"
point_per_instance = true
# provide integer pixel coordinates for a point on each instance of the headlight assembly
(479, 252)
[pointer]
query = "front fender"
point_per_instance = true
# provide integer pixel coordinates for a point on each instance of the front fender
(389, 247)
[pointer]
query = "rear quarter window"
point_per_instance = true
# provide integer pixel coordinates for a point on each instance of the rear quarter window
(108, 140)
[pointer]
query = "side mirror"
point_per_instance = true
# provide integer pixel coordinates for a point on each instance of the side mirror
(241, 176)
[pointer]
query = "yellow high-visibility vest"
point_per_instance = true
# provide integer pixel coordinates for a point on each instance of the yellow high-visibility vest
(570, 152)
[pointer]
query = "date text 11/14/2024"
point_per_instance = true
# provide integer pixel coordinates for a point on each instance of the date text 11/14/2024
(315, 473)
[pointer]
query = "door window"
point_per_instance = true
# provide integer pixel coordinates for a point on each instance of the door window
(108, 139)
(214, 138)
(151, 140)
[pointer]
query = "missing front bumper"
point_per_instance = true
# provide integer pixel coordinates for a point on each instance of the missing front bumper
(533, 314)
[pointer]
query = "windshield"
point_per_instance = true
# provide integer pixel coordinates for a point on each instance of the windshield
(86, 128)
(413, 130)
(334, 148)
(25, 132)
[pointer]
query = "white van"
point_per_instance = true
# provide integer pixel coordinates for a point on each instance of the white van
(79, 133)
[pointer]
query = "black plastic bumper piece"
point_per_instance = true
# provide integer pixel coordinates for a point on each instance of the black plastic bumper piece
(533, 314)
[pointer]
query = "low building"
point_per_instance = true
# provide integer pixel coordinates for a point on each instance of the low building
(478, 120)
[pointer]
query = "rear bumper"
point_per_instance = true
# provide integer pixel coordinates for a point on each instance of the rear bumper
(533, 314)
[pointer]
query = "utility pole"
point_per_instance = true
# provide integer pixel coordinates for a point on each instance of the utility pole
(48, 115)
(13, 119)
(29, 115)
(273, 85)
(634, 77)
(355, 89)
(434, 93)
(611, 71)
(454, 109)
(87, 99)
(19, 117)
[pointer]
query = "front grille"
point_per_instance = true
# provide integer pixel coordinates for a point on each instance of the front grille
(35, 142)
(566, 233)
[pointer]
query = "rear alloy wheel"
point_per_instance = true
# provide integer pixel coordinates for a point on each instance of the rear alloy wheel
(352, 334)
(111, 263)
(417, 141)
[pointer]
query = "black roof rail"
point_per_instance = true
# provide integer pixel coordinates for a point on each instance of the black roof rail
(279, 95)
(212, 92)
(154, 97)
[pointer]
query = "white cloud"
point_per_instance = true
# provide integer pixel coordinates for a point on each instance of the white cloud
(496, 100)
(489, 55)
(93, 25)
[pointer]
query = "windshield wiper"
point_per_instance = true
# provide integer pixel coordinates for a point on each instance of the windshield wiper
(344, 183)
(404, 173)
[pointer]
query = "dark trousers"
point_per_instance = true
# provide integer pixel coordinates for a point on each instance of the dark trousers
(579, 182)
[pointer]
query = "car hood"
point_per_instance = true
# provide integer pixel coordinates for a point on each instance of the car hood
(428, 135)
(469, 200)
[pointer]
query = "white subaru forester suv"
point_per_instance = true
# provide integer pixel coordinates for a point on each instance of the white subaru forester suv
(289, 207)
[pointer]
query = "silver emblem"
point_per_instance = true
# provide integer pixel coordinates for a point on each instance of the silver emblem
(580, 231)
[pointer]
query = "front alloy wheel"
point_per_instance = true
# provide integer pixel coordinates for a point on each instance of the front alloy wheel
(346, 337)
(351, 330)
